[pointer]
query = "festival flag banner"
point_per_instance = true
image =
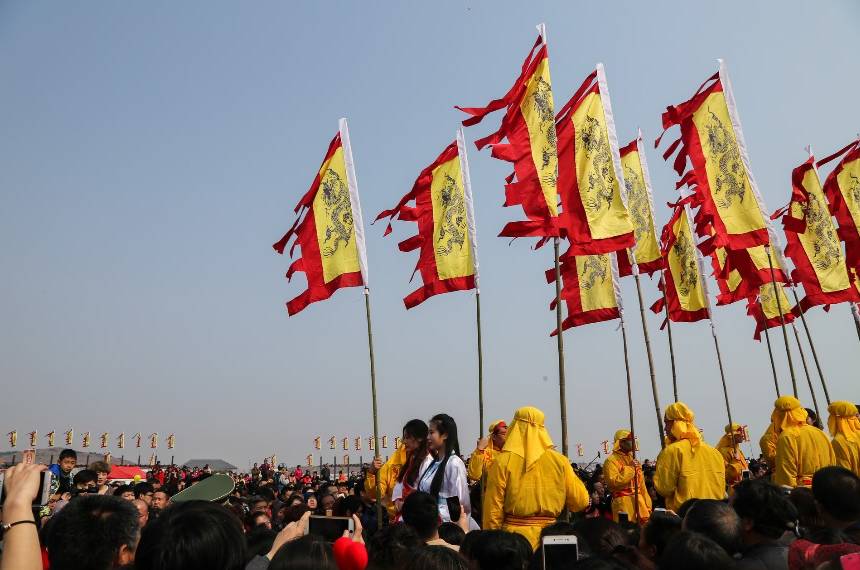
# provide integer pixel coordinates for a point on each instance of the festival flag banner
(331, 442)
(50, 437)
(34, 438)
(153, 441)
(317, 443)
(444, 211)
(13, 438)
(590, 289)
(171, 443)
(137, 439)
(120, 441)
(70, 436)
(640, 205)
(683, 279)
(329, 229)
(720, 178)
(529, 127)
(740, 273)
(813, 243)
(842, 188)
(765, 308)
(104, 440)
(590, 178)
(85, 439)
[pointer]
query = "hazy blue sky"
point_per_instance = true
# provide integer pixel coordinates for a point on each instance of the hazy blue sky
(151, 152)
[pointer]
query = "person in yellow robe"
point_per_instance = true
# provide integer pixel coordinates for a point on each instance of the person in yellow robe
(801, 449)
(623, 476)
(729, 447)
(767, 443)
(844, 427)
(529, 484)
(687, 468)
(488, 447)
(387, 475)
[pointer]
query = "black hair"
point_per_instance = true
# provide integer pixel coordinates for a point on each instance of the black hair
(451, 533)
(417, 430)
(601, 535)
(499, 550)
(90, 531)
(391, 547)
(99, 467)
(807, 511)
(837, 490)
(84, 476)
(693, 550)
(192, 535)
(436, 558)
(716, 520)
(421, 512)
(771, 512)
(686, 506)
(347, 506)
(306, 553)
(445, 425)
(68, 453)
(259, 542)
(122, 489)
(659, 530)
(143, 489)
(810, 413)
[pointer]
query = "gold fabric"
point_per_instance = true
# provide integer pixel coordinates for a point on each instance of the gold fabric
(527, 436)
(844, 426)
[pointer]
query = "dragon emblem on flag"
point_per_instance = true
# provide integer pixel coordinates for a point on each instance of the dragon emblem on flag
(601, 179)
(730, 168)
(689, 277)
(637, 202)
(338, 212)
(826, 249)
(854, 190)
(452, 229)
(595, 269)
(543, 107)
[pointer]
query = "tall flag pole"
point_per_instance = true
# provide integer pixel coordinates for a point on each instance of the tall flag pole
(440, 202)
(329, 230)
(805, 369)
(529, 127)
(645, 255)
(772, 362)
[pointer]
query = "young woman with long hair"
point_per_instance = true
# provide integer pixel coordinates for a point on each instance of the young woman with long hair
(414, 444)
(444, 473)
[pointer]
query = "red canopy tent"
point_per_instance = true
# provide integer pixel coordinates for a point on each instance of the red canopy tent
(126, 472)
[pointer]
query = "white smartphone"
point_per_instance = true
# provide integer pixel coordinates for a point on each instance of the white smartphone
(559, 551)
(42, 495)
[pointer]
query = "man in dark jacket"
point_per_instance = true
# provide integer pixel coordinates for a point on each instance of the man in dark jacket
(766, 515)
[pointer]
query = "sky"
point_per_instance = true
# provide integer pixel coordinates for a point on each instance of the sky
(151, 153)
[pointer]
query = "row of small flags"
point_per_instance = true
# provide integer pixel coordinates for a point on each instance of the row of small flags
(86, 439)
(356, 441)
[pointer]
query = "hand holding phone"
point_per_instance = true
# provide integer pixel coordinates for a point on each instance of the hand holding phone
(25, 484)
(559, 551)
(330, 528)
(454, 509)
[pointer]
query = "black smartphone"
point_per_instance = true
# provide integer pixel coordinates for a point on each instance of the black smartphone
(454, 509)
(559, 551)
(42, 496)
(745, 474)
(330, 528)
(623, 518)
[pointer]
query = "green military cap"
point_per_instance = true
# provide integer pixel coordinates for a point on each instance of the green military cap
(213, 488)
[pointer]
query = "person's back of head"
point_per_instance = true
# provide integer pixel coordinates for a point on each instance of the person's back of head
(143, 489)
(716, 520)
(308, 552)
(499, 550)
(690, 550)
(807, 510)
(192, 535)
(421, 512)
(659, 530)
(436, 558)
(686, 506)
(93, 531)
(597, 563)
(451, 533)
(764, 509)
(391, 547)
(600, 535)
(837, 492)
(259, 541)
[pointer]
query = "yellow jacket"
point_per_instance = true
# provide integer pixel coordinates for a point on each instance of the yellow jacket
(618, 472)
(387, 475)
(734, 459)
(844, 426)
(768, 445)
(682, 474)
(800, 452)
(525, 502)
(480, 461)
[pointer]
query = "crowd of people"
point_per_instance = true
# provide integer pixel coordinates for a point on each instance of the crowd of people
(513, 503)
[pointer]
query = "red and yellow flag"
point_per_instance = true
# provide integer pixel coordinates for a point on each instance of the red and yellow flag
(765, 308)
(842, 188)
(443, 209)
(590, 178)
(740, 273)
(723, 187)
(329, 229)
(529, 127)
(683, 281)
(590, 289)
(813, 244)
(640, 204)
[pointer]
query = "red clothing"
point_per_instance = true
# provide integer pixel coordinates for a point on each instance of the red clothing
(349, 555)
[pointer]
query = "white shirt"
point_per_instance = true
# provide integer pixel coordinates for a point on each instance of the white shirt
(454, 484)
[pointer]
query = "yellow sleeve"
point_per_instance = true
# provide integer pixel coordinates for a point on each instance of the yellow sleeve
(840, 450)
(617, 475)
(666, 475)
(494, 495)
(370, 486)
(476, 465)
(577, 498)
(768, 445)
(786, 470)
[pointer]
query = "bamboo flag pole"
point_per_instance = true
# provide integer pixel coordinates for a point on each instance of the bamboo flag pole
(770, 354)
(480, 366)
(671, 344)
(811, 344)
(373, 398)
(781, 319)
(650, 360)
(562, 397)
(806, 370)
(855, 310)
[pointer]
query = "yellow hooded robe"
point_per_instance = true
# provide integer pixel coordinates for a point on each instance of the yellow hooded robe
(844, 426)
(619, 471)
(801, 449)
